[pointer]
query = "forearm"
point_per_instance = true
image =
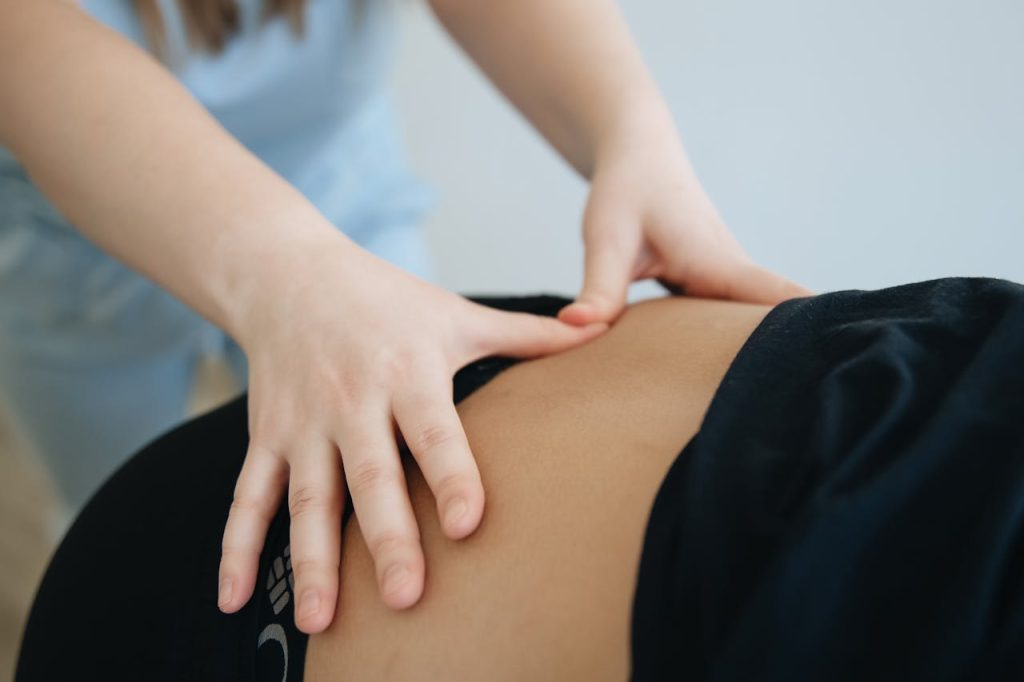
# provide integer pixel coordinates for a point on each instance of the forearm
(138, 166)
(570, 66)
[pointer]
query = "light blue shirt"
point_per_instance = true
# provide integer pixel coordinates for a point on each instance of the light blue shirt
(314, 108)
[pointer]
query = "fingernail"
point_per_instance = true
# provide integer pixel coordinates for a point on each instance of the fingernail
(394, 578)
(456, 510)
(225, 592)
(309, 604)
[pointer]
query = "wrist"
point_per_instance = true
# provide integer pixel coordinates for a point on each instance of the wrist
(643, 127)
(648, 138)
(259, 270)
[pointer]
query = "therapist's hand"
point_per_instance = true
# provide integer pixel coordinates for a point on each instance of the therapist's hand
(647, 216)
(346, 351)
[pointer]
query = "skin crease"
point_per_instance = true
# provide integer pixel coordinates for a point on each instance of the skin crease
(157, 183)
(572, 449)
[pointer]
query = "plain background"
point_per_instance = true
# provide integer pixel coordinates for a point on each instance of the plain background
(847, 145)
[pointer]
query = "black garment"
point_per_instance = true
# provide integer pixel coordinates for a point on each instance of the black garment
(131, 593)
(852, 507)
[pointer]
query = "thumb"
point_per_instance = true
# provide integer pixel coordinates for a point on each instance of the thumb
(606, 278)
(751, 283)
(524, 335)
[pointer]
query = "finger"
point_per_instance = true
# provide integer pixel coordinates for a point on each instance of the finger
(376, 481)
(434, 433)
(525, 335)
(749, 282)
(258, 491)
(607, 273)
(315, 503)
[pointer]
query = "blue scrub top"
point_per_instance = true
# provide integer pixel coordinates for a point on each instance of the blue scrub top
(314, 108)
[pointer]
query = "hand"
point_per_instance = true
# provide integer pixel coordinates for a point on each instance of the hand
(347, 348)
(648, 217)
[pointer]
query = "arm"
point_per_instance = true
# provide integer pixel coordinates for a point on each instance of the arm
(342, 345)
(138, 166)
(570, 66)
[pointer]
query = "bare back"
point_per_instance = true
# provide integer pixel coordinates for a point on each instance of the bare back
(572, 449)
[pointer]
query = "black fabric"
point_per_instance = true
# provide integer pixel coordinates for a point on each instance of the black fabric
(131, 593)
(852, 507)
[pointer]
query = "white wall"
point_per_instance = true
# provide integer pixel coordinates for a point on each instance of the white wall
(847, 145)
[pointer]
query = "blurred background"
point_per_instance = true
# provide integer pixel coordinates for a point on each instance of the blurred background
(847, 145)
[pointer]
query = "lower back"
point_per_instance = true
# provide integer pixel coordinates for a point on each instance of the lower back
(572, 449)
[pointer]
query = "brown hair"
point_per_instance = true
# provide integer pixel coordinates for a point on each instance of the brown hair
(210, 23)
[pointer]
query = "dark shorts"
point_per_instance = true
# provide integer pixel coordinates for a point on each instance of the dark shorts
(852, 507)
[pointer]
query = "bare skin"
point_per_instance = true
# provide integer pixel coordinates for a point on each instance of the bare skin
(572, 449)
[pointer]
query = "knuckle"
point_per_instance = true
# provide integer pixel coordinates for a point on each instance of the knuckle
(389, 366)
(547, 325)
(305, 499)
(262, 446)
(450, 485)
(430, 438)
(310, 565)
(244, 505)
(388, 544)
(391, 362)
(370, 476)
(345, 392)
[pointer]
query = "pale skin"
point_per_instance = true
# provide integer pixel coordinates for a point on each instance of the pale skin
(142, 170)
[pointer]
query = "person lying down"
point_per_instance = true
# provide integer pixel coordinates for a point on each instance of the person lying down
(829, 489)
